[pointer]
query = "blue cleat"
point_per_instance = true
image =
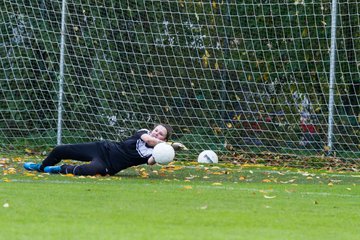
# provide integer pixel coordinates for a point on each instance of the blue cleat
(30, 166)
(52, 169)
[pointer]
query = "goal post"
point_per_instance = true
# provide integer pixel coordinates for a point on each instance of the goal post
(249, 76)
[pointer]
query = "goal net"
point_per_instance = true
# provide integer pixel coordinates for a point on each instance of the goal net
(238, 77)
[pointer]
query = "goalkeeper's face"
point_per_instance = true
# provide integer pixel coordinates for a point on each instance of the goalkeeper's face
(159, 132)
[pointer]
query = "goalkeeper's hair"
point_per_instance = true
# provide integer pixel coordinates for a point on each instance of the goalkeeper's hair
(169, 130)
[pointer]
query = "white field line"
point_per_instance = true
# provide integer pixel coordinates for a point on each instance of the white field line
(237, 188)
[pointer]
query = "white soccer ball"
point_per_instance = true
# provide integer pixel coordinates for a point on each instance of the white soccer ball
(208, 156)
(163, 153)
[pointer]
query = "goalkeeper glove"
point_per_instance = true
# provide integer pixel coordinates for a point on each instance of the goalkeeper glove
(178, 146)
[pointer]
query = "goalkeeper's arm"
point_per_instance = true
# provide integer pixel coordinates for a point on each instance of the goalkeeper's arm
(151, 141)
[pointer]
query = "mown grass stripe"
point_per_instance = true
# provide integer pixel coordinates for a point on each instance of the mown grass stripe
(226, 187)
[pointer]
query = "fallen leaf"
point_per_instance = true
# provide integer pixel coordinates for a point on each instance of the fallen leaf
(29, 174)
(29, 151)
(269, 197)
(265, 191)
(290, 190)
(204, 207)
(144, 174)
(217, 184)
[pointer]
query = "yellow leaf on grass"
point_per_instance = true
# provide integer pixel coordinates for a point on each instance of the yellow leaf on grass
(266, 180)
(144, 174)
(29, 174)
(187, 187)
(6, 180)
(4, 160)
(29, 151)
(217, 184)
(269, 197)
(204, 207)
(18, 159)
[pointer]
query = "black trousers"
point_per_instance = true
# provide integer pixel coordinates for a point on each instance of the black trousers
(85, 152)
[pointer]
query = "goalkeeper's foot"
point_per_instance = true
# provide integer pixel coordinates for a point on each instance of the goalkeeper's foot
(52, 169)
(30, 166)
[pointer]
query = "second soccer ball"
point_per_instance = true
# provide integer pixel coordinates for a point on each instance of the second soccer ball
(207, 156)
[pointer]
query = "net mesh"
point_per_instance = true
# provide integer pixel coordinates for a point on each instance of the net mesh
(233, 76)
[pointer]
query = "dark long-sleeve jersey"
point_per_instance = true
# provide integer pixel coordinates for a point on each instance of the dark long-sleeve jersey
(132, 151)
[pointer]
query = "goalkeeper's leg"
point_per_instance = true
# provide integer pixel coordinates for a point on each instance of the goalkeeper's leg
(96, 166)
(85, 152)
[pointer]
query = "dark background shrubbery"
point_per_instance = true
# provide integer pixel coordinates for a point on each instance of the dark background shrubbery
(234, 74)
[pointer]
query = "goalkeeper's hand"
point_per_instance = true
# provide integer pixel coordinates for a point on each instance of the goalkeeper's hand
(178, 146)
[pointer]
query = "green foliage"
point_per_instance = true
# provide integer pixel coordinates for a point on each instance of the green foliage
(203, 61)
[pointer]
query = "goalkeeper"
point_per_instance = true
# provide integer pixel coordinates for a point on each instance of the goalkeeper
(105, 157)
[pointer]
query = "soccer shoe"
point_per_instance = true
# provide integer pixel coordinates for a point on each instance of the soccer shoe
(30, 166)
(52, 169)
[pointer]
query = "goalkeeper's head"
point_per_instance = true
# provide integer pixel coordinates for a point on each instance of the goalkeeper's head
(162, 131)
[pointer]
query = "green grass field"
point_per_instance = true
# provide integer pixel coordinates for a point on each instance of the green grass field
(183, 201)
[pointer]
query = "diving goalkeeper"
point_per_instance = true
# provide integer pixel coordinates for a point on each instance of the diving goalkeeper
(105, 157)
